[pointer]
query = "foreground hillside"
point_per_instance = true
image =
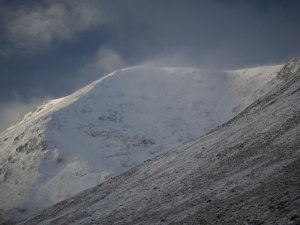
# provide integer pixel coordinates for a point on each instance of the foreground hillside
(247, 171)
(115, 123)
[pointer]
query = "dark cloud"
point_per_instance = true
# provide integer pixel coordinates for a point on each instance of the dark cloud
(225, 33)
(50, 48)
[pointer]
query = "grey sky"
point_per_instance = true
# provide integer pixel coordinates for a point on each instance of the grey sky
(50, 48)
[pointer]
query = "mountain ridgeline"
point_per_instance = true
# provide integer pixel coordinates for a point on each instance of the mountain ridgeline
(246, 171)
(76, 142)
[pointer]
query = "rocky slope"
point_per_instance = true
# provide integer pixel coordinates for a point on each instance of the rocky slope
(76, 142)
(246, 171)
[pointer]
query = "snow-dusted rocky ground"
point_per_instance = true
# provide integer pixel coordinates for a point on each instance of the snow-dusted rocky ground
(244, 172)
(76, 142)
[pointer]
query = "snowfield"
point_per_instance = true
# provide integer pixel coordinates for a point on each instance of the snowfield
(115, 123)
(245, 172)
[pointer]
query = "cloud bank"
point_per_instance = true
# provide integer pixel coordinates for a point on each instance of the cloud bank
(40, 25)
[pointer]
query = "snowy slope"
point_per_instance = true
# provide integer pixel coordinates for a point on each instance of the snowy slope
(244, 172)
(76, 142)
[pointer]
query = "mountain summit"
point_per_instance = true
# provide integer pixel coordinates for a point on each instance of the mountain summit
(76, 142)
(244, 172)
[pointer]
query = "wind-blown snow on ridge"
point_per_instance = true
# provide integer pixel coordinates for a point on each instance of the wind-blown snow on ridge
(76, 142)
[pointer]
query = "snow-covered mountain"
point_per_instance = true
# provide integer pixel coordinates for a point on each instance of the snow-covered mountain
(69, 144)
(244, 172)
